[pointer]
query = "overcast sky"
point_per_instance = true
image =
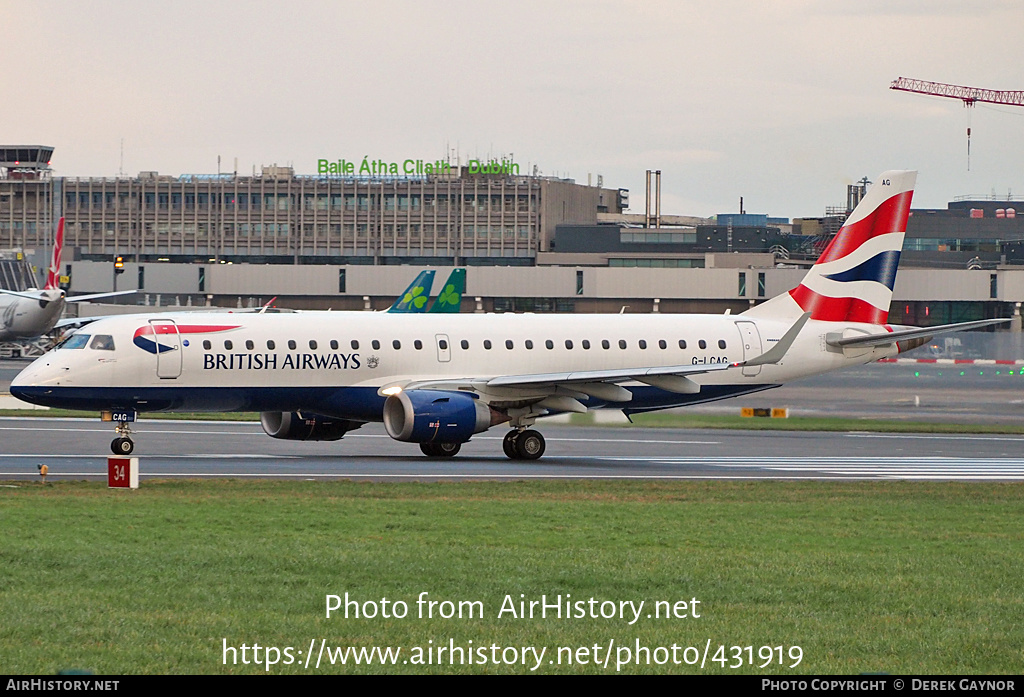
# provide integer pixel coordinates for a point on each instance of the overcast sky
(783, 103)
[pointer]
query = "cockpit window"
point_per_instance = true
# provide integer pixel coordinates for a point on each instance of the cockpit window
(75, 341)
(102, 342)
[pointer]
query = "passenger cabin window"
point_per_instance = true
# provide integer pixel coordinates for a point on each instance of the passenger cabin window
(464, 344)
(396, 344)
(568, 343)
(508, 344)
(549, 343)
(291, 344)
(312, 345)
(207, 345)
(443, 345)
(529, 344)
(487, 344)
(643, 344)
(605, 344)
(270, 344)
(682, 343)
(703, 344)
(228, 345)
(249, 345)
(355, 345)
(586, 344)
(417, 344)
(622, 343)
(375, 344)
(102, 342)
(721, 343)
(662, 344)
(334, 344)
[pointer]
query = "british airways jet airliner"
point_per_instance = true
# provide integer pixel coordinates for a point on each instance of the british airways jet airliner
(438, 379)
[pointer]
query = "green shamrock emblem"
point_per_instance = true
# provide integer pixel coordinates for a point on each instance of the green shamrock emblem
(415, 297)
(449, 296)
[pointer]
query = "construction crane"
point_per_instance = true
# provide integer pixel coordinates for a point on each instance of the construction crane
(968, 95)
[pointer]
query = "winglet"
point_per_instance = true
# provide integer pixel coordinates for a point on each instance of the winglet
(776, 352)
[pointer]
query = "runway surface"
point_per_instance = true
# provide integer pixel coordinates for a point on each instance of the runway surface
(928, 393)
(76, 449)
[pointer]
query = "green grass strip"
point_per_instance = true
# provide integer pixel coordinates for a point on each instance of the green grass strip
(896, 577)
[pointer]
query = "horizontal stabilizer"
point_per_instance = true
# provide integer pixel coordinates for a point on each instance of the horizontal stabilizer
(29, 296)
(837, 339)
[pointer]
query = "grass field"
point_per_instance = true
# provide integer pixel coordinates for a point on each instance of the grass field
(864, 577)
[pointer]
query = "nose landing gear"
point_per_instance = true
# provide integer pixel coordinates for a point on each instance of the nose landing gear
(123, 444)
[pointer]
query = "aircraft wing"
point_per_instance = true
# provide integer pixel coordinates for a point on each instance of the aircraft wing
(560, 390)
(613, 375)
(94, 296)
(836, 339)
(76, 322)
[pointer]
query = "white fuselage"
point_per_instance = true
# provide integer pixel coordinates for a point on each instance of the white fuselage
(339, 362)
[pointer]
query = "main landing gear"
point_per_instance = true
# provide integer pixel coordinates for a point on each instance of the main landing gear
(523, 445)
(123, 444)
(440, 449)
(518, 444)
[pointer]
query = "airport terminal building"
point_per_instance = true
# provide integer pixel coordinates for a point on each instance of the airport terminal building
(531, 243)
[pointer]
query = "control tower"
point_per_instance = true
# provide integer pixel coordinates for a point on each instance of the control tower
(25, 161)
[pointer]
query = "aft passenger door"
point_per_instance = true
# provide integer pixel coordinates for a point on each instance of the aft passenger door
(168, 348)
(751, 341)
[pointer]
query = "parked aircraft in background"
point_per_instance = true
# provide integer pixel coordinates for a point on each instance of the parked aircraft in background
(32, 313)
(450, 297)
(417, 295)
(437, 381)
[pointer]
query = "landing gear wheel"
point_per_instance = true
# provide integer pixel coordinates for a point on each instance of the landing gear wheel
(440, 449)
(508, 444)
(529, 445)
(122, 446)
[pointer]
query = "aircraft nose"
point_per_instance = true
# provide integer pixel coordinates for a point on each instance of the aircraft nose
(31, 384)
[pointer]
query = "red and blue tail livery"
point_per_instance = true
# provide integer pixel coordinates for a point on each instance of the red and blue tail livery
(853, 279)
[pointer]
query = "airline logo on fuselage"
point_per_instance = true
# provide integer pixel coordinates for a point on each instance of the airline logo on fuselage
(289, 361)
(146, 337)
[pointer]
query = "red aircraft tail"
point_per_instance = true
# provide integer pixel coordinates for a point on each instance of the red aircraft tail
(53, 277)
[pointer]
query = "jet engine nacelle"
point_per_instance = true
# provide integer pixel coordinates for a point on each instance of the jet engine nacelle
(432, 416)
(291, 425)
